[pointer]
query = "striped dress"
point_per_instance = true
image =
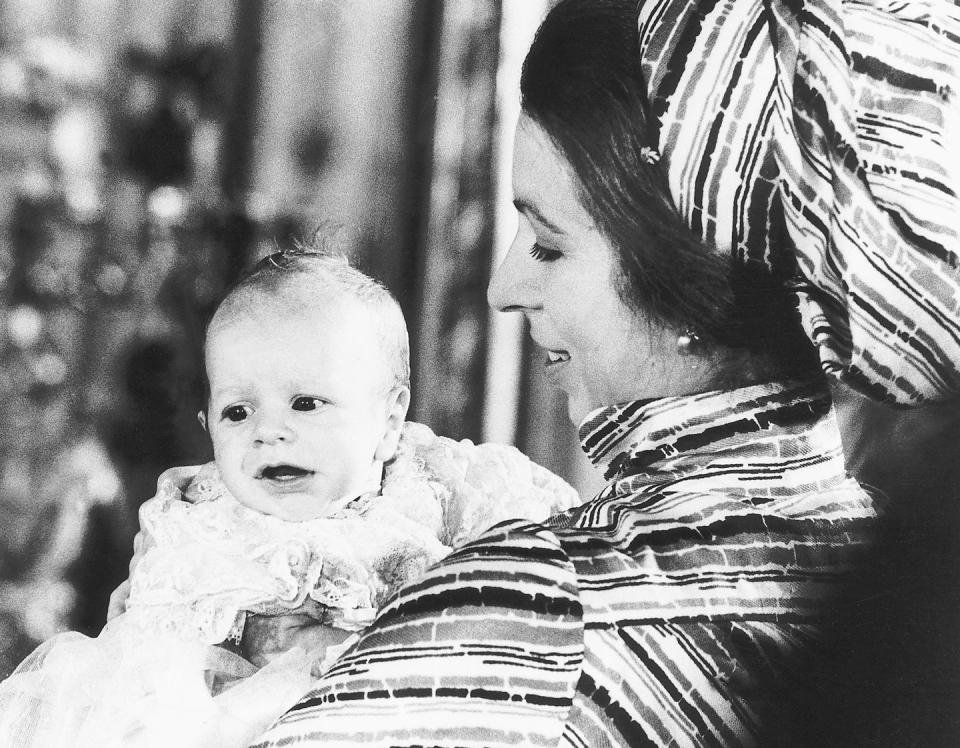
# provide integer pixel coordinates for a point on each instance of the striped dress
(679, 607)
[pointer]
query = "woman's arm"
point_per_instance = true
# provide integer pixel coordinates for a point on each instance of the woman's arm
(486, 649)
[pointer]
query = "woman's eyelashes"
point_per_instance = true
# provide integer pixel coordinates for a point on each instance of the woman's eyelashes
(542, 254)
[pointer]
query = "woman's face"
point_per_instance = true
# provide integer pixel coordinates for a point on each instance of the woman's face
(560, 272)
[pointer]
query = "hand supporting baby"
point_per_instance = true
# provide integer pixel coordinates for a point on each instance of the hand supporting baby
(266, 637)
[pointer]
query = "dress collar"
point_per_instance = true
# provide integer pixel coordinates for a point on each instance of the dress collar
(682, 433)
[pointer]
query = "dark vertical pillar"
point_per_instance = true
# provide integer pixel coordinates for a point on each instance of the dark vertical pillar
(457, 233)
(395, 252)
(240, 127)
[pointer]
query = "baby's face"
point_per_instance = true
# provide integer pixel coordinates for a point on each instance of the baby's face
(300, 408)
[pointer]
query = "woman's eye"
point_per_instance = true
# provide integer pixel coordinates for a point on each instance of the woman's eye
(235, 413)
(542, 254)
(306, 403)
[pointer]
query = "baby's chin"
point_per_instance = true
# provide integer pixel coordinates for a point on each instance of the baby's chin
(289, 506)
(302, 508)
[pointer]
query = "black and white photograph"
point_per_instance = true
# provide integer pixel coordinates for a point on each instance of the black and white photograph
(479, 373)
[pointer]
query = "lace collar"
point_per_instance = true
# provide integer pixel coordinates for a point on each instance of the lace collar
(681, 434)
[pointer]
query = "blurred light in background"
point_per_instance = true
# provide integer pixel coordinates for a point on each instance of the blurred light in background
(148, 152)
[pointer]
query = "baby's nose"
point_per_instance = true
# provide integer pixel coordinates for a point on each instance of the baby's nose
(271, 430)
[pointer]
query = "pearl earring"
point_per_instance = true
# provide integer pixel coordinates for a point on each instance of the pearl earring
(688, 342)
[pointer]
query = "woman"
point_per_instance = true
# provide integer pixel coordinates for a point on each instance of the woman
(684, 605)
(691, 601)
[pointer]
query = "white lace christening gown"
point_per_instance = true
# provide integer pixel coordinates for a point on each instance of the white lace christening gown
(155, 675)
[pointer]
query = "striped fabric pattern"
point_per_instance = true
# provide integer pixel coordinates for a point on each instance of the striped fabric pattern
(678, 607)
(833, 127)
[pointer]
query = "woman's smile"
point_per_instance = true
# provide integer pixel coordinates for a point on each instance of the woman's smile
(556, 366)
(557, 357)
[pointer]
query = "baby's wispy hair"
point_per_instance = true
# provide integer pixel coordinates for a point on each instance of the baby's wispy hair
(322, 266)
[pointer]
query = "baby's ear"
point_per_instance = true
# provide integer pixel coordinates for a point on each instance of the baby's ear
(398, 402)
(202, 417)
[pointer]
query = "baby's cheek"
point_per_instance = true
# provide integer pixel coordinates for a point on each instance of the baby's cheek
(223, 441)
(238, 482)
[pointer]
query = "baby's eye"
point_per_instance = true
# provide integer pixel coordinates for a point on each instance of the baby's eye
(235, 413)
(305, 402)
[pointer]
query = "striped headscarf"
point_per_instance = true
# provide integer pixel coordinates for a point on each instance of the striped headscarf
(833, 127)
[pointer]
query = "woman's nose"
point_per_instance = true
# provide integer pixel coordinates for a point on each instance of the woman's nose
(512, 287)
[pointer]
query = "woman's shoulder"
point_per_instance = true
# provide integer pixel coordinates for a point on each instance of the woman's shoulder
(515, 566)
(716, 553)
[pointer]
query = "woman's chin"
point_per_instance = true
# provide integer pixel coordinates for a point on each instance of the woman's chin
(578, 408)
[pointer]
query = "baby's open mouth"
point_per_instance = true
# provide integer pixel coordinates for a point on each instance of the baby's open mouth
(283, 472)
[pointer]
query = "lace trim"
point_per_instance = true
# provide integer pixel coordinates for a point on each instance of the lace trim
(209, 558)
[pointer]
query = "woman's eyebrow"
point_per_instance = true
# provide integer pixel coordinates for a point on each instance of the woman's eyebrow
(527, 209)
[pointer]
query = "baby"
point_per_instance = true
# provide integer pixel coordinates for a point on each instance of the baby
(321, 501)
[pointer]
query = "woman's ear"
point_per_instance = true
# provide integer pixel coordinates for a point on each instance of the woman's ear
(202, 417)
(398, 402)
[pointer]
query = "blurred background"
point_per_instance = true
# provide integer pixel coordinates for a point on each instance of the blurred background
(150, 151)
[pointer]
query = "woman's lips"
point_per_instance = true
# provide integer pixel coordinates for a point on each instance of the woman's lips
(555, 365)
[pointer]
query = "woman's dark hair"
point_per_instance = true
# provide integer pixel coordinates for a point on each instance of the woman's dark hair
(582, 83)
